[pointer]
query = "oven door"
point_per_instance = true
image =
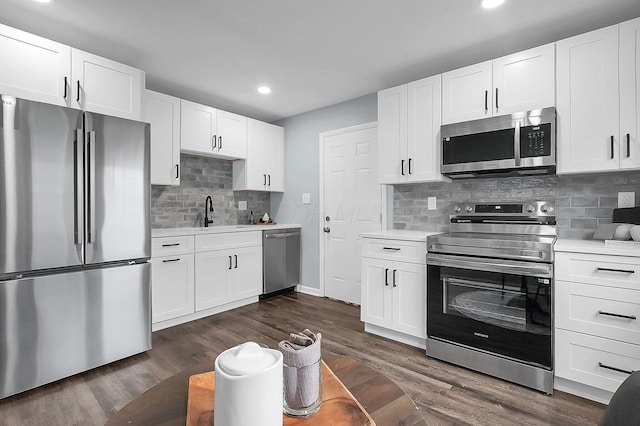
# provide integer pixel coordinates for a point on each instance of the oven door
(494, 305)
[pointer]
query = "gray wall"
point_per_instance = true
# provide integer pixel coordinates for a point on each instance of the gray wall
(302, 133)
(183, 206)
(582, 201)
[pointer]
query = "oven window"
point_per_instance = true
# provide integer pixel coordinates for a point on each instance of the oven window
(513, 302)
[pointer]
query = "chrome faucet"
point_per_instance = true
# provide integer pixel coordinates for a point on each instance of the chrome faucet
(208, 207)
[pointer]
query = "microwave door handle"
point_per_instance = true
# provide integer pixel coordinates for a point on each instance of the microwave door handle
(516, 144)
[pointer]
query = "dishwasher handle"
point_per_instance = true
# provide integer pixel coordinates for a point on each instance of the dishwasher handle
(283, 235)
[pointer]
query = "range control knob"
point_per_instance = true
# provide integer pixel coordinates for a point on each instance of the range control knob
(457, 209)
(531, 208)
(544, 208)
(468, 209)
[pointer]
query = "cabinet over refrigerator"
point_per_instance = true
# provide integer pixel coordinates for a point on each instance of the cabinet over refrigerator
(75, 238)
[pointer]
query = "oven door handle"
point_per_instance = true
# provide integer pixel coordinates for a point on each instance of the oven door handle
(544, 270)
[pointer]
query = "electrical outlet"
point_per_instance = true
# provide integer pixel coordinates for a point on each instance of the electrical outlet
(431, 203)
(626, 199)
(306, 198)
(242, 205)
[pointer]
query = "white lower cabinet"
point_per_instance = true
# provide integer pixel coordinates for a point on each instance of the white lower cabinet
(597, 322)
(394, 293)
(224, 276)
(194, 276)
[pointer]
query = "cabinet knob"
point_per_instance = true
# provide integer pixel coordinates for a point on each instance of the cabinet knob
(326, 229)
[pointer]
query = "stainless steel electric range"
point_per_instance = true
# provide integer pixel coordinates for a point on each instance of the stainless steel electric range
(490, 291)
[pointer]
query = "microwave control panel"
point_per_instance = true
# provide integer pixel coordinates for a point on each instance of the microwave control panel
(535, 141)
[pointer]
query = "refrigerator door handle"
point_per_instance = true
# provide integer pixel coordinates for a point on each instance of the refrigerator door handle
(91, 187)
(77, 187)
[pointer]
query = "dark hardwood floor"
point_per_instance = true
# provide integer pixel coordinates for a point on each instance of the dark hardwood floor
(444, 394)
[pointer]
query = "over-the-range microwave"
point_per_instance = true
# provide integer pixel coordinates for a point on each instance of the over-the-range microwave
(516, 144)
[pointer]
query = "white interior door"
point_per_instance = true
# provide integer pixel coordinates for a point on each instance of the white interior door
(352, 205)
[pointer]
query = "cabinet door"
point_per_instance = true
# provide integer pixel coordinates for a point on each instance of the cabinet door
(524, 81)
(409, 282)
(232, 135)
(466, 93)
(274, 138)
(172, 287)
(105, 86)
(34, 68)
(587, 102)
(424, 117)
(212, 274)
(197, 128)
(630, 94)
(392, 134)
(246, 276)
(376, 292)
(163, 112)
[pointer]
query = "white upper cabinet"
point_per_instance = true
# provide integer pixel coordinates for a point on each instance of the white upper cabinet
(392, 134)
(213, 133)
(163, 112)
(466, 93)
(630, 94)
(34, 68)
(263, 170)
(590, 98)
(105, 86)
(519, 82)
(41, 70)
(408, 132)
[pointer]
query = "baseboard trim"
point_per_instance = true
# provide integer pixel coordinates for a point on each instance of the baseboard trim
(395, 335)
(581, 390)
(308, 290)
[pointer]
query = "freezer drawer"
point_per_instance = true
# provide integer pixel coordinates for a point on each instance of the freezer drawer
(55, 326)
(280, 259)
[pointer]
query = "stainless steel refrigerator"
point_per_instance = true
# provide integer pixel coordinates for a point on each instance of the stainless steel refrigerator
(75, 238)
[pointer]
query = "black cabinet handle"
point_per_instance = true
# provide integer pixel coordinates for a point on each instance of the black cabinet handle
(214, 142)
(486, 100)
(177, 171)
(171, 245)
(620, 370)
(236, 258)
(171, 260)
(496, 98)
(265, 179)
(386, 277)
(219, 143)
(391, 248)
(65, 88)
(230, 262)
(612, 147)
(409, 165)
(402, 167)
(78, 92)
(394, 278)
(631, 317)
(628, 145)
(623, 271)
(269, 184)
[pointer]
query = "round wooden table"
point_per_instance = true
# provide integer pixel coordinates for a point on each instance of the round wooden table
(166, 402)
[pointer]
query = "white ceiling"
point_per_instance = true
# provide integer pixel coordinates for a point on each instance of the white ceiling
(311, 53)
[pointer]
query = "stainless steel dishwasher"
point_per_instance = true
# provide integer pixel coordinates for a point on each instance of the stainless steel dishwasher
(280, 260)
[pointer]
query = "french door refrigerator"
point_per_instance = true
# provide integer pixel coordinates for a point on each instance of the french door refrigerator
(75, 238)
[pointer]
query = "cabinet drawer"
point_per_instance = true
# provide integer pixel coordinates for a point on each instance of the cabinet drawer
(614, 271)
(608, 312)
(169, 246)
(406, 251)
(227, 240)
(591, 360)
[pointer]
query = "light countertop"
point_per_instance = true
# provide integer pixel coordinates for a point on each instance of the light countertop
(173, 232)
(400, 234)
(595, 247)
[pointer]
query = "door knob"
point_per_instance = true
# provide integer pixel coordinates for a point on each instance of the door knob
(326, 229)
(327, 218)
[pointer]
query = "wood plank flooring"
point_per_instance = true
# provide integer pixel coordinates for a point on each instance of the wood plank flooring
(445, 394)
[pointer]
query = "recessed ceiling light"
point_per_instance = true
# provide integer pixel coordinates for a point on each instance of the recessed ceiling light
(43, 1)
(490, 4)
(264, 90)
